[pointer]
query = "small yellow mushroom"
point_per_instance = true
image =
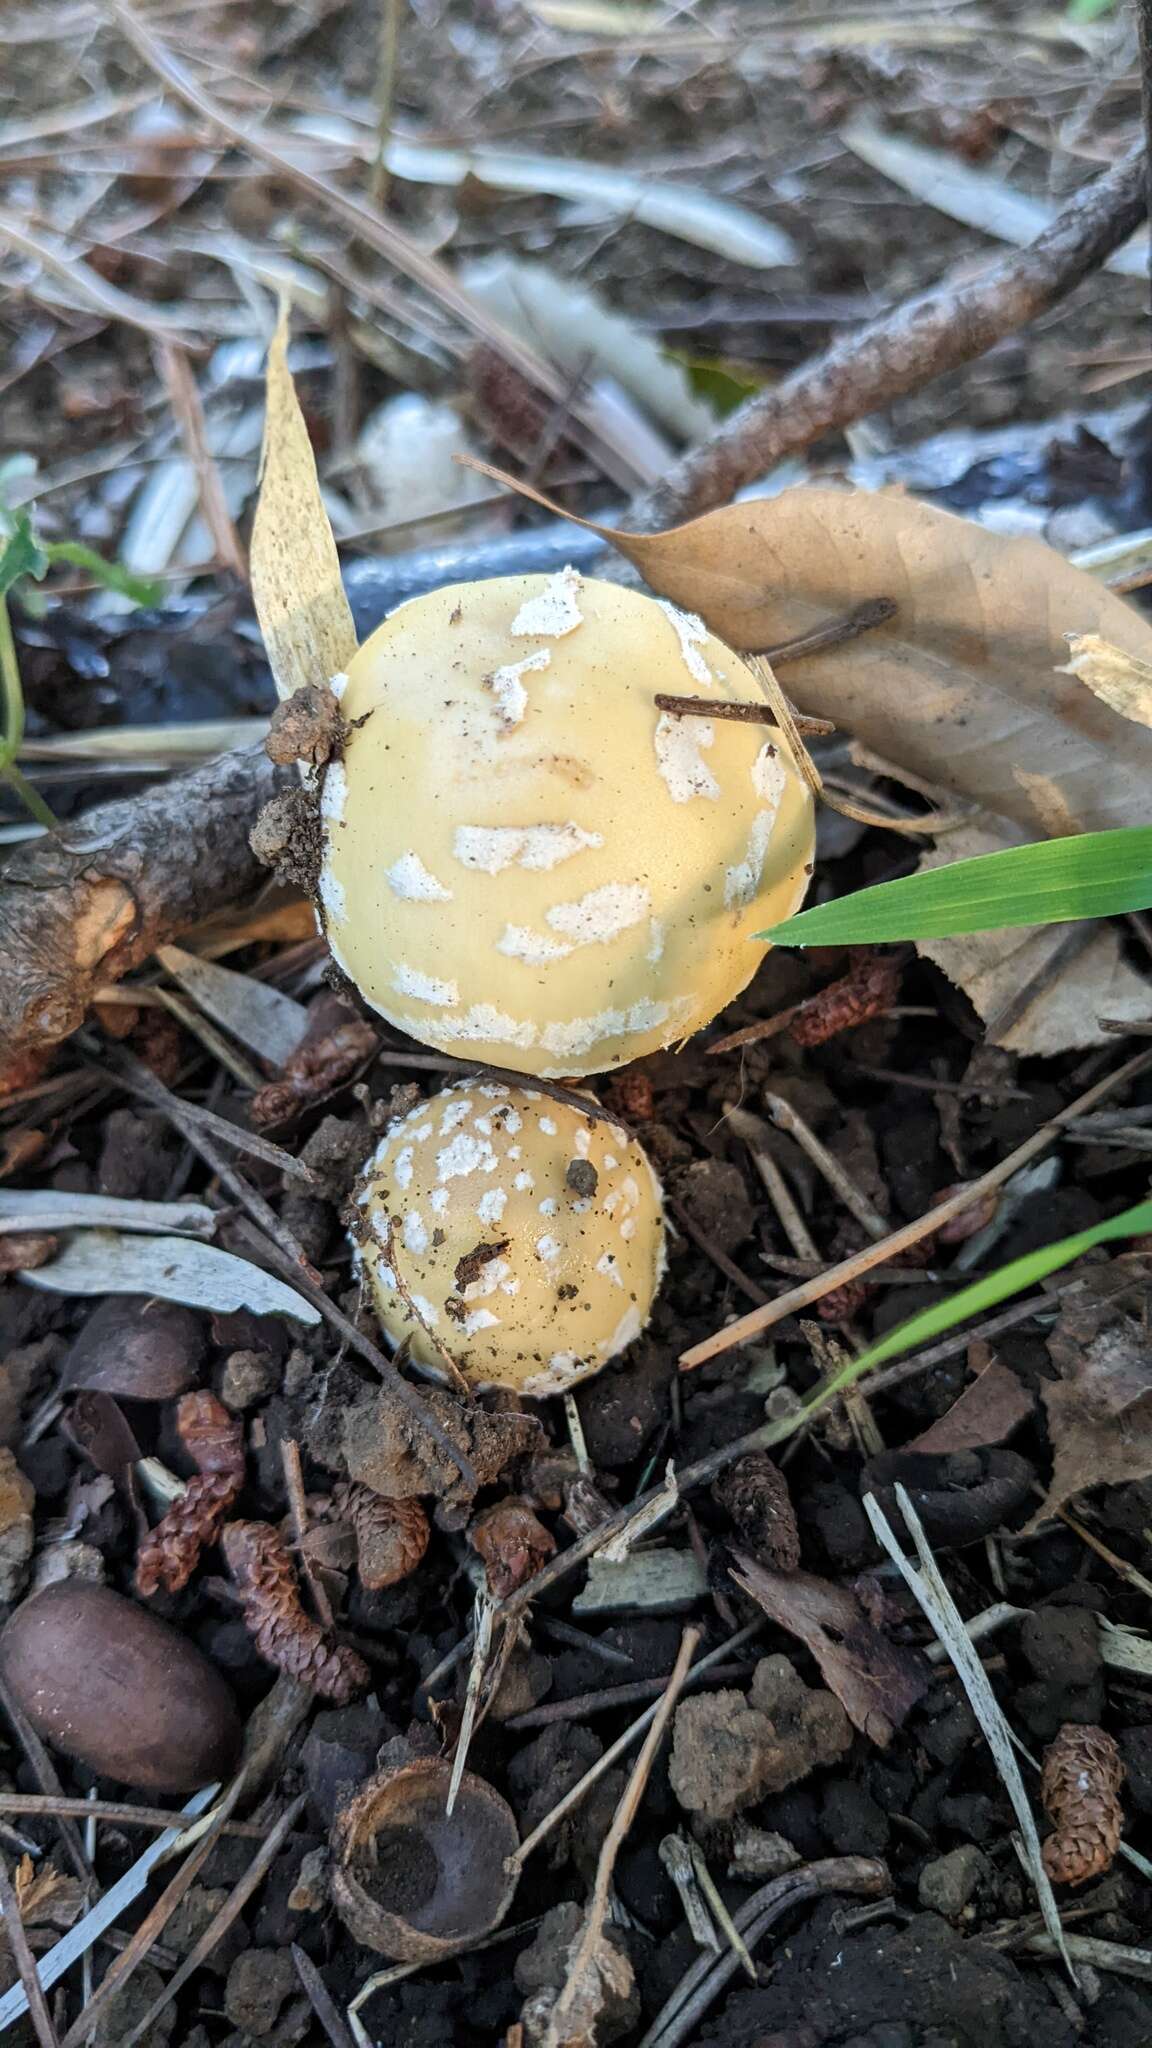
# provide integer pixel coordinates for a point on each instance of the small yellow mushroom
(522, 1236)
(525, 858)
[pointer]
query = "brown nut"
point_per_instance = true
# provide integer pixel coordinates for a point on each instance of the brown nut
(413, 1883)
(142, 1349)
(104, 1681)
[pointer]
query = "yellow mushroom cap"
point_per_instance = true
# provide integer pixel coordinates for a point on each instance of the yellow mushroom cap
(526, 1237)
(525, 859)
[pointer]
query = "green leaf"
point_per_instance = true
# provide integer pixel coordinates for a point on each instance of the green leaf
(972, 1301)
(21, 554)
(110, 575)
(1055, 881)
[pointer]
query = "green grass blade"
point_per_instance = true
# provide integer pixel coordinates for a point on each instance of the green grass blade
(142, 590)
(988, 1293)
(1055, 881)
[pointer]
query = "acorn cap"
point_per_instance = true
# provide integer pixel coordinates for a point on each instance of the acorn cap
(525, 859)
(526, 1235)
(413, 1882)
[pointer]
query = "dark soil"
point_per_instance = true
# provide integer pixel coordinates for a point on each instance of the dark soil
(400, 1872)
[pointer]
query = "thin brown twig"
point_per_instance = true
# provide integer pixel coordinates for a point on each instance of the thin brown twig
(184, 398)
(713, 1251)
(387, 51)
(740, 713)
(838, 1178)
(884, 1249)
(583, 1963)
(109, 1812)
(298, 1509)
(221, 1921)
(613, 1697)
(25, 1961)
(874, 611)
(902, 350)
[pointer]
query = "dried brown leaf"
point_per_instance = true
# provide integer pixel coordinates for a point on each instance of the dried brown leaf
(1100, 1409)
(985, 1413)
(962, 686)
(1119, 678)
(296, 584)
(876, 1683)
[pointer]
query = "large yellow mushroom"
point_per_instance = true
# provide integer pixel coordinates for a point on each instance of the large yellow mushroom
(512, 1231)
(525, 859)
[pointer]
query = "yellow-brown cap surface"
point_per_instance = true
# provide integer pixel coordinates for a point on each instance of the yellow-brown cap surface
(525, 859)
(527, 1237)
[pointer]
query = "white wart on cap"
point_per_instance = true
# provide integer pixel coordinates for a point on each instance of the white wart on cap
(525, 859)
(526, 1237)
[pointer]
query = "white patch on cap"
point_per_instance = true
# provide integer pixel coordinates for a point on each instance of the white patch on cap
(338, 684)
(553, 611)
(742, 881)
(515, 1152)
(465, 1154)
(492, 848)
(416, 1236)
(677, 742)
(512, 1121)
(548, 1126)
(409, 879)
(491, 1205)
(582, 1138)
(483, 1124)
(602, 914)
(606, 1264)
(332, 895)
(692, 634)
(507, 688)
(523, 1182)
(493, 1091)
(519, 943)
(425, 1310)
(408, 981)
(579, 1034)
(655, 940)
(386, 1276)
(548, 1248)
(421, 1132)
(334, 794)
(402, 1170)
(631, 1191)
(479, 1319)
(628, 1228)
(610, 1161)
(455, 1114)
(769, 775)
(485, 1021)
(510, 1286)
(548, 1206)
(439, 1199)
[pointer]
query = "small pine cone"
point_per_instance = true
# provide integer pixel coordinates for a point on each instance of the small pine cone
(512, 1543)
(755, 1494)
(214, 1440)
(1080, 1789)
(259, 1561)
(391, 1535)
(868, 990)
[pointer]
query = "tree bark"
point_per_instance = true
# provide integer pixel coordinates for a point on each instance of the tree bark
(87, 904)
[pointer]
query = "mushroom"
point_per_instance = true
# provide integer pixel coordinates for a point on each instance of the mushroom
(512, 1231)
(410, 1879)
(524, 858)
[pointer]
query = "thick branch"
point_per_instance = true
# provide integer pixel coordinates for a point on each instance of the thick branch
(952, 324)
(85, 905)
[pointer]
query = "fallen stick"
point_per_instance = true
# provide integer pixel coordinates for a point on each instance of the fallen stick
(88, 903)
(903, 350)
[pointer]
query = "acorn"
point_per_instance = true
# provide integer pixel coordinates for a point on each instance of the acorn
(413, 1881)
(115, 1687)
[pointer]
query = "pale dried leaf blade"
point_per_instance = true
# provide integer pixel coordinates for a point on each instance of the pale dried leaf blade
(1123, 680)
(261, 1017)
(928, 1588)
(173, 1269)
(296, 584)
(960, 687)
